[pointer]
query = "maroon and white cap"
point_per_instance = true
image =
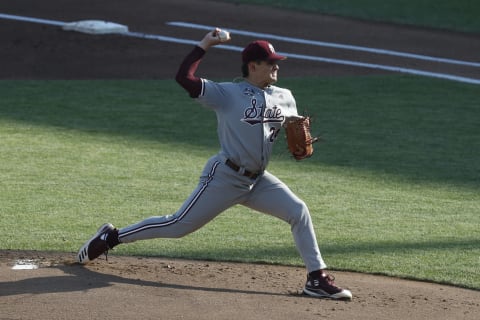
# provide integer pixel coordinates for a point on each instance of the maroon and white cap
(260, 50)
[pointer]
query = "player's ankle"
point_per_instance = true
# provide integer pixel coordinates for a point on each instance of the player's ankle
(316, 273)
(112, 239)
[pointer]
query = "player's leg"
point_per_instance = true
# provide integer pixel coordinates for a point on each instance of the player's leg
(213, 194)
(273, 197)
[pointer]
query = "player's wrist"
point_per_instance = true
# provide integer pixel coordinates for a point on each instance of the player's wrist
(204, 45)
(202, 50)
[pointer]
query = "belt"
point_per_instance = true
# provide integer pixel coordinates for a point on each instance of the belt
(246, 173)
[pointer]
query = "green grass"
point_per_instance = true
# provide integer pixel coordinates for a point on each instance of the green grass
(459, 15)
(393, 189)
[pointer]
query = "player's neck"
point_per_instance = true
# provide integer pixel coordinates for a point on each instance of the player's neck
(259, 84)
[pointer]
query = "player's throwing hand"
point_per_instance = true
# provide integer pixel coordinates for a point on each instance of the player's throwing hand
(214, 38)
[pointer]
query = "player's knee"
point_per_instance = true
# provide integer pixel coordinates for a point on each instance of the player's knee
(299, 213)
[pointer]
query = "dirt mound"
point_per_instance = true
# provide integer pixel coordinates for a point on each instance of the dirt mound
(153, 288)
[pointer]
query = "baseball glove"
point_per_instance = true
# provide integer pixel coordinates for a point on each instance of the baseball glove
(299, 138)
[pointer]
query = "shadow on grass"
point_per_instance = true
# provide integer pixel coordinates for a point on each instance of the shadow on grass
(404, 246)
(419, 129)
(267, 253)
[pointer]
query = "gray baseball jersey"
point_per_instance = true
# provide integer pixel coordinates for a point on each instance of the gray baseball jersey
(249, 119)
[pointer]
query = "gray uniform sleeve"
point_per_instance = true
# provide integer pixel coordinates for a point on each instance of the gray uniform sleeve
(213, 95)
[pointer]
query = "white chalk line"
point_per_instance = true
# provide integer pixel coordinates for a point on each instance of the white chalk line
(290, 55)
(327, 44)
(323, 59)
(31, 19)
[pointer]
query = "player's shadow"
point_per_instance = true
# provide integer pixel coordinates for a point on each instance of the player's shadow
(79, 278)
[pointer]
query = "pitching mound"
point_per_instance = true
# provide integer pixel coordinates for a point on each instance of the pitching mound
(155, 288)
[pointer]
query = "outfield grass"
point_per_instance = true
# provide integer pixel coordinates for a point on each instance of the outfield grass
(459, 15)
(393, 189)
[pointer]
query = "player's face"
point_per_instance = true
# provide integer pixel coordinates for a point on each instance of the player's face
(269, 71)
(263, 73)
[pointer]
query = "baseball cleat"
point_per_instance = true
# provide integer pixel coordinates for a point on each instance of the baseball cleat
(324, 287)
(97, 245)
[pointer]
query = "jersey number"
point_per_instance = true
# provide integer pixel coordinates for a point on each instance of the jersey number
(273, 134)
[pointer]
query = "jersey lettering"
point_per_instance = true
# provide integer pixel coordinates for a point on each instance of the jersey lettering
(259, 114)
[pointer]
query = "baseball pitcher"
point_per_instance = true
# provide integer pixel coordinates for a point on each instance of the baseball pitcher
(250, 115)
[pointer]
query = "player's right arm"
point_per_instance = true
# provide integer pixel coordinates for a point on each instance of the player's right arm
(186, 73)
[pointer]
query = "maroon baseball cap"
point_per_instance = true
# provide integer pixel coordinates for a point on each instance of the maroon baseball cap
(260, 50)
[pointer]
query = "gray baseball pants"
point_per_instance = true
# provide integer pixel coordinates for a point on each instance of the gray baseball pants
(220, 188)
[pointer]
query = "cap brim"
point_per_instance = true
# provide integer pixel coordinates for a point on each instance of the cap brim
(276, 57)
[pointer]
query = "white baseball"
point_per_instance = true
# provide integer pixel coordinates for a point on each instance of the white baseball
(223, 35)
